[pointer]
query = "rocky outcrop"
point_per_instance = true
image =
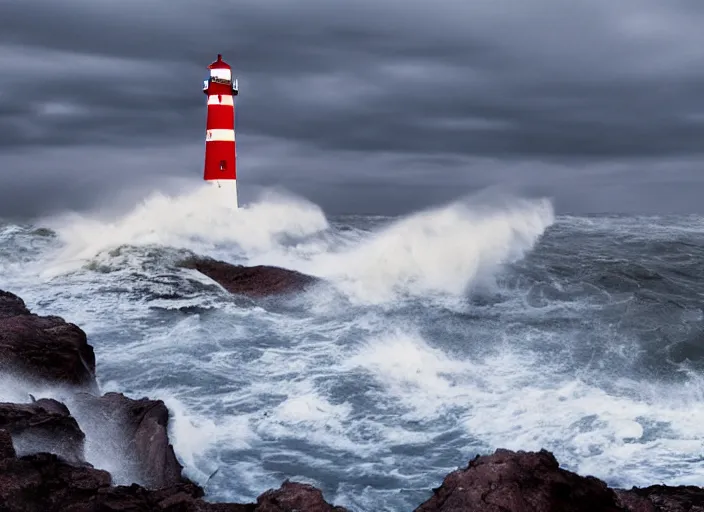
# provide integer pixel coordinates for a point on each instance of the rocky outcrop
(7, 450)
(509, 481)
(661, 498)
(137, 431)
(43, 426)
(43, 348)
(258, 281)
(43, 482)
(519, 481)
(294, 496)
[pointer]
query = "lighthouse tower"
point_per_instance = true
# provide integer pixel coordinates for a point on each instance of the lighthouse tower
(220, 153)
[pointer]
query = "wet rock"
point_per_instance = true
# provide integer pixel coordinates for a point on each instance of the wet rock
(11, 305)
(43, 426)
(43, 482)
(43, 348)
(508, 481)
(634, 503)
(7, 449)
(293, 496)
(255, 282)
(134, 431)
(661, 498)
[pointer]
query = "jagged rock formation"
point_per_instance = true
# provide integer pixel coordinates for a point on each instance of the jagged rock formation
(255, 282)
(43, 348)
(43, 426)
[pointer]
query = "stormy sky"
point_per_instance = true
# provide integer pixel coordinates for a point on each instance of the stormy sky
(371, 106)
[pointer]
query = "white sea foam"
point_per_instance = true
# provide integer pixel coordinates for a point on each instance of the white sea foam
(439, 251)
(201, 221)
(514, 400)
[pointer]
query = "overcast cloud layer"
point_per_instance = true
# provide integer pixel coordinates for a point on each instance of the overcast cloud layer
(366, 106)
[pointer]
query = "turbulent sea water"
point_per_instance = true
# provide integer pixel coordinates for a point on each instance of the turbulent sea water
(440, 335)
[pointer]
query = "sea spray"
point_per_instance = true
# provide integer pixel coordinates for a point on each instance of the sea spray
(203, 221)
(438, 251)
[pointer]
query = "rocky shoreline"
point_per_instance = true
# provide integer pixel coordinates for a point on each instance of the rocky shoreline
(42, 443)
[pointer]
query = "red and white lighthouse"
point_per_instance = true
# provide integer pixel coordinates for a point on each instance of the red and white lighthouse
(220, 152)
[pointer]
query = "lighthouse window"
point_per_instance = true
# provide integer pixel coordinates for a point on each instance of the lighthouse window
(223, 165)
(224, 75)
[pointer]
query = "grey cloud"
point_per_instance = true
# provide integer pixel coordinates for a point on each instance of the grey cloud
(357, 95)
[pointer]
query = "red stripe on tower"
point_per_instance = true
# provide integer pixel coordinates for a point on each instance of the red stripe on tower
(220, 150)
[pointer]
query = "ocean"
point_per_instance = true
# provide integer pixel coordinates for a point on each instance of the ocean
(480, 324)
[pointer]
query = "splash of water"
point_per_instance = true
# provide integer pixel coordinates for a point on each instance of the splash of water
(433, 252)
(438, 251)
(200, 221)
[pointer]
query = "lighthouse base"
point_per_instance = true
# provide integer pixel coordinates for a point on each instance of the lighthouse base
(228, 187)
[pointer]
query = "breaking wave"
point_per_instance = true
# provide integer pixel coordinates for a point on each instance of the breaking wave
(439, 251)
(202, 221)
(433, 252)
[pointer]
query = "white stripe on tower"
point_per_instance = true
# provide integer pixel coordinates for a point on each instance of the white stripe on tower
(220, 135)
(230, 186)
(221, 99)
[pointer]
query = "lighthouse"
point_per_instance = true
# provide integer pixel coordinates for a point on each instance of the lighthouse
(220, 152)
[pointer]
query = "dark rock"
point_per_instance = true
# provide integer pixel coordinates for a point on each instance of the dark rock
(43, 482)
(634, 503)
(7, 449)
(43, 348)
(661, 498)
(257, 281)
(11, 305)
(43, 426)
(134, 431)
(292, 496)
(510, 481)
